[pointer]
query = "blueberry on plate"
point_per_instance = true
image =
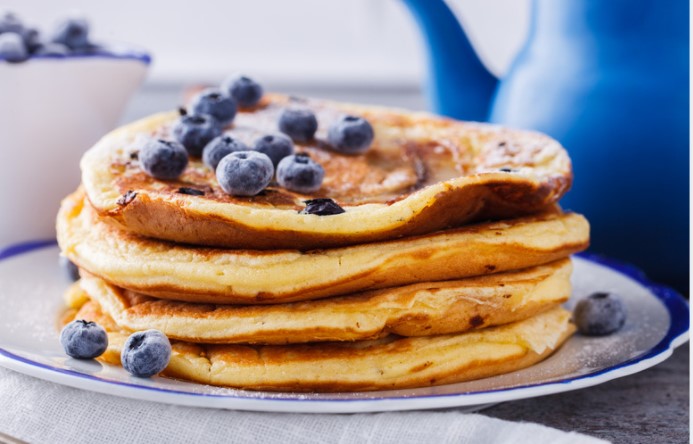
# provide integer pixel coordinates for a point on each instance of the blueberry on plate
(219, 148)
(246, 91)
(350, 135)
(70, 270)
(12, 47)
(146, 353)
(244, 173)
(72, 32)
(195, 131)
(276, 146)
(599, 314)
(83, 339)
(300, 173)
(163, 159)
(298, 123)
(215, 103)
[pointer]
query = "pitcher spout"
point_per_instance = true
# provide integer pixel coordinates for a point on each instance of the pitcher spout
(458, 84)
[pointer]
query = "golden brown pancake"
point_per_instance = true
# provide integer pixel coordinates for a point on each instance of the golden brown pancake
(387, 363)
(197, 274)
(424, 309)
(423, 173)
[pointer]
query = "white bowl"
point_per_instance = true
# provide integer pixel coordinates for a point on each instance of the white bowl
(52, 110)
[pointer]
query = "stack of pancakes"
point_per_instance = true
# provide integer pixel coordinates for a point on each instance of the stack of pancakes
(449, 263)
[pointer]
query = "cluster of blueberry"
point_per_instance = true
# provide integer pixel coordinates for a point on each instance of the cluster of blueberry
(144, 354)
(242, 170)
(19, 42)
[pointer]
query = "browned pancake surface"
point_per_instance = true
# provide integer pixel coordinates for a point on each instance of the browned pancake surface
(388, 363)
(195, 274)
(424, 309)
(423, 173)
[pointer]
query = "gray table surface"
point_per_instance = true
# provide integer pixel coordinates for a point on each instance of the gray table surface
(648, 407)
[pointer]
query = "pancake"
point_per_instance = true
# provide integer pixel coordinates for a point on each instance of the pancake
(423, 173)
(387, 363)
(196, 274)
(424, 309)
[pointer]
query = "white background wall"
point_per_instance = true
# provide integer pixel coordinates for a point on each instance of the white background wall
(297, 42)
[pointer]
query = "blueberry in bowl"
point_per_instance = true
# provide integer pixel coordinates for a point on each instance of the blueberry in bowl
(52, 50)
(73, 32)
(10, 22)
(32, 39)
(12, 48)
(71, 37)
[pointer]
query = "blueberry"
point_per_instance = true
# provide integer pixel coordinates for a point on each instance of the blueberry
(322, 207)
(146, 353)
(163, 159)
(277, 146)
(69, 269)
(244, 90)
(9, 22)
(195, 131)
(32, 39)
(72, 32)
(215, 103)
(52, 50)
(83, 340)
(89, 49)
(190, 191)
(244, 173)
(219, 148)
(300, 173)
(600, 314)
(298, 123)
(350, 135)
(12, 47)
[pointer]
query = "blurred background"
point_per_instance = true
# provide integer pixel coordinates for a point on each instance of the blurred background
(361, 50)
(609, 80)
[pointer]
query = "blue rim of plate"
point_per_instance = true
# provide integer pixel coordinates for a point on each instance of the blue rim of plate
(675, 304)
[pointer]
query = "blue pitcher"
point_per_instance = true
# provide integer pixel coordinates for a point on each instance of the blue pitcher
(609, 79)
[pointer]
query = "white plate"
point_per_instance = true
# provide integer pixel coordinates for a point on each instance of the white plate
(31, 287)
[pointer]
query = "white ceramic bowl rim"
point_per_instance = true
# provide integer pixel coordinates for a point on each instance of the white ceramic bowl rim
(117, 52)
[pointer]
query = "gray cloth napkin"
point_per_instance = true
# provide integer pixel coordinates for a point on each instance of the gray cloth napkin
(38, 411)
